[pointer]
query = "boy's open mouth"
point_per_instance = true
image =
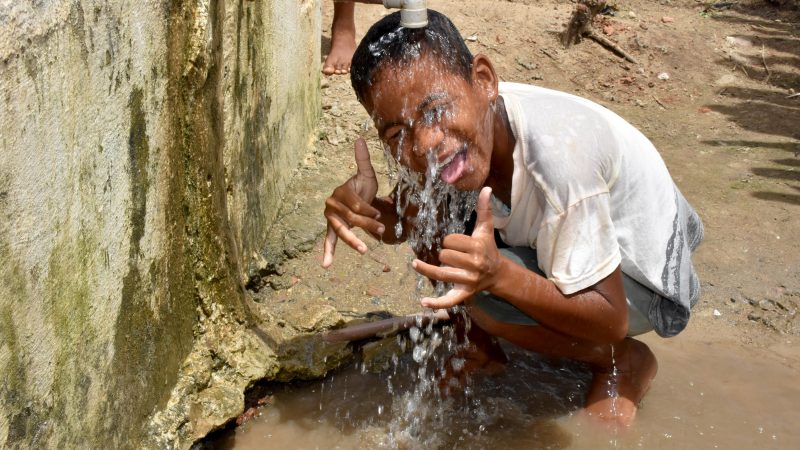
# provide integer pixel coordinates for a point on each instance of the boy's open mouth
(454, 167)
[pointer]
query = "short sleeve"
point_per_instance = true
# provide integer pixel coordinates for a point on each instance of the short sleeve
(578, 247)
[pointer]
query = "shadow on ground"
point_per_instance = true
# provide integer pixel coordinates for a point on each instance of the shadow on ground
(765, 55)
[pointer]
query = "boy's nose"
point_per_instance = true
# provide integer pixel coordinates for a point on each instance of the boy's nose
(427, 139)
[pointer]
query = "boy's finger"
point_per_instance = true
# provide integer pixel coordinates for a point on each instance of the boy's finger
(484, 223)
(453, 297)
(455, 258)
(442, 273)
(344, 233)
(329, 248)
(359, 206)
(363, 162)
(367, 224)
(335, 208)
(458, 242)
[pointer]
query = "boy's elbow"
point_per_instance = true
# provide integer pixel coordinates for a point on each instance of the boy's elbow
(615, 331)
(618, 333)
(611, 335)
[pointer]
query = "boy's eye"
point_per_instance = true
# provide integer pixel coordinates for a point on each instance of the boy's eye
(435, 114)
(394, 134)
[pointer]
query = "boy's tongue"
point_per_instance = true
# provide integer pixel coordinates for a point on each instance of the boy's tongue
(455, 168)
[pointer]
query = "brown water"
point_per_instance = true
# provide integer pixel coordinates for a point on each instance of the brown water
(708, 394)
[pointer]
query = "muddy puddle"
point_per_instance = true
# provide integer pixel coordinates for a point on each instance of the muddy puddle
(708, 394)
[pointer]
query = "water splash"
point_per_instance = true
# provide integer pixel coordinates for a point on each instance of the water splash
(440, 209)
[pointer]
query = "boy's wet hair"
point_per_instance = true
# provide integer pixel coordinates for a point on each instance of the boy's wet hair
(387, 42)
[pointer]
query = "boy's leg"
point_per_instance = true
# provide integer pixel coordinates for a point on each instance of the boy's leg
(343, 39)
(621, 373)
(477, 353)
(614, 394)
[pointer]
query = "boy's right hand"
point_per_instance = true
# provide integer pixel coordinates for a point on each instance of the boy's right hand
(350, 206)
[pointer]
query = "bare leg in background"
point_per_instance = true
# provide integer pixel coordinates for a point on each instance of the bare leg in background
(343, 40)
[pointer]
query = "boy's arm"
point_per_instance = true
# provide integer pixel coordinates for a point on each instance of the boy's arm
(597, 314)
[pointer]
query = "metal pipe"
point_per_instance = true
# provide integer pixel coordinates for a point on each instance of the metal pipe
(383, 327)
(413, 13)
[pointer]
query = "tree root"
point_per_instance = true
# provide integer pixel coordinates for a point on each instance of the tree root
(580, 26)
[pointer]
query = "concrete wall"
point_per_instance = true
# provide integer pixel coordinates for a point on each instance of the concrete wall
(144, 148)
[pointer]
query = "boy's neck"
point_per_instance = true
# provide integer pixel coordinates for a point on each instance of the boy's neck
(502, 163)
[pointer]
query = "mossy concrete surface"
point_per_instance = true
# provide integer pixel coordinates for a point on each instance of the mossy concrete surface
(145, 149)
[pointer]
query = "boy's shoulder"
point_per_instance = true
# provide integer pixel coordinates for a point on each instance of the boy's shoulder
(546, 102)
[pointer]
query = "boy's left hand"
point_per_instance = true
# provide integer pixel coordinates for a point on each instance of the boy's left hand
(471, 263)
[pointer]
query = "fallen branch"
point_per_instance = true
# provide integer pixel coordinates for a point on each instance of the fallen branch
(793, 95)
(549, 55)
(659, 102)
(607, 43)
(743, 70)
(384, 327)
(764, 61)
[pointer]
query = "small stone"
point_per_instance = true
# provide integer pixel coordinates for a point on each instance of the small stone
(608, 30)
(766, 305)
(726, 80)
(663, 76)
(631, 14)
(736, 41)
(667, 19)
(717, 313)
(527, 65)
(375, 291)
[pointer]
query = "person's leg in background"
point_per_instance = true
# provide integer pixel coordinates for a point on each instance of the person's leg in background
(343, 39)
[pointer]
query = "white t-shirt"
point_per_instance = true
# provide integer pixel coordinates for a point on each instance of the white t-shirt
(590, 193)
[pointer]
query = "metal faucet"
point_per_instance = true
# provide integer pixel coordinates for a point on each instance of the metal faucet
(413, 13)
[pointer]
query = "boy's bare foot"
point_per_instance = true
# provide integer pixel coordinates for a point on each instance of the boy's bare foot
(475, 360)
(615, 394)
(343, 41)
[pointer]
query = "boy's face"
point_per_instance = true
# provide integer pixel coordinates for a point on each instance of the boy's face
(425, 115)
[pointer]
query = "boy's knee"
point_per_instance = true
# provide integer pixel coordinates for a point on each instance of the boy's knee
(480, 318)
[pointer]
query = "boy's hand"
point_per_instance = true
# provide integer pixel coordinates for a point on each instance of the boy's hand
(350, 206)
(471, 263)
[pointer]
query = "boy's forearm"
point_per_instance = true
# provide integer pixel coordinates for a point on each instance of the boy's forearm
(587, 315)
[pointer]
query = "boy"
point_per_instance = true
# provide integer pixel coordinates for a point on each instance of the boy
(600, 236)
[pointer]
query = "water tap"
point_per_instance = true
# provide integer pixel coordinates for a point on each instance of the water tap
(413, 13)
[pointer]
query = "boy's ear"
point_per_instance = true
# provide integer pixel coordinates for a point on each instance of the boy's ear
(484, 76)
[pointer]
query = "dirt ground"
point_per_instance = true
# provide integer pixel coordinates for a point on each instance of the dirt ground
(712, 89)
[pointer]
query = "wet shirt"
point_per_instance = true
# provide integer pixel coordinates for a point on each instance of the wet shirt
(590, 193)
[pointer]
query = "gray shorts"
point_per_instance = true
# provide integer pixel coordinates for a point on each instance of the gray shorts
(639, 297)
